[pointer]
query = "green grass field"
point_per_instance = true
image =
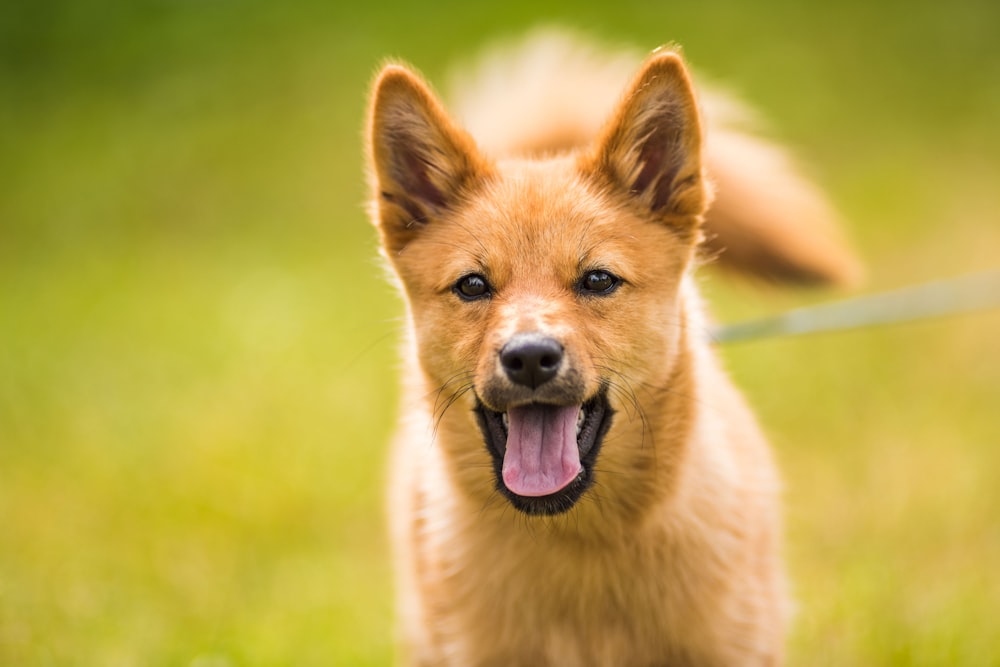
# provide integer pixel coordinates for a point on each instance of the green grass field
(197, 349)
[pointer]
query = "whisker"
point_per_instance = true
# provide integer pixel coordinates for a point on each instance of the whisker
(454, 378)
(442, 402)
(491, 501)
(439, 416)
(475, 238)
(623, 390)
(446, 244)
(461, 377)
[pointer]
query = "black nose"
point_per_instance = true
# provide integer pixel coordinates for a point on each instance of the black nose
(531, 359)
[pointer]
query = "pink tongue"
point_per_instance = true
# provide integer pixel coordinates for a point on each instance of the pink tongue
(542, 456)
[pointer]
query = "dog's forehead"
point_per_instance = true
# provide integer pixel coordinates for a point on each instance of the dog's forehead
(538, 226)
(539, 204)
(541, 224)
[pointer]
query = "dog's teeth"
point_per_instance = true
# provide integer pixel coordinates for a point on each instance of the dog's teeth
(580, 418)
(506, 421)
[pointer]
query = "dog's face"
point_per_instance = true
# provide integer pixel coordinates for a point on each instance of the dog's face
(544, 293)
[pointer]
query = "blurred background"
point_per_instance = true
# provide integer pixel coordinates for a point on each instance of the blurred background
(198, 349)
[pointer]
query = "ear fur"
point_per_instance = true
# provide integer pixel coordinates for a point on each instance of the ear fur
(651, 147)
(420, 161)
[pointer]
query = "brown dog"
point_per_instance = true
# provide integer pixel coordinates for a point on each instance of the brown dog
(575, 480)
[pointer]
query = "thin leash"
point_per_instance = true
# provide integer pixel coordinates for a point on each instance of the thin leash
(980, 291)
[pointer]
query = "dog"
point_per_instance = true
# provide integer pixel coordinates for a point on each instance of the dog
(575, 481)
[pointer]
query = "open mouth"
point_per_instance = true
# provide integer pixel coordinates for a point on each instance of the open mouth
(543, 454)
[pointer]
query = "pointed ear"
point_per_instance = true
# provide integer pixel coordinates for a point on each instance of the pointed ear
(651, 147)
(419, 160)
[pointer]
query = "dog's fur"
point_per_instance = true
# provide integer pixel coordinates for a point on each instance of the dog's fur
(664, 550)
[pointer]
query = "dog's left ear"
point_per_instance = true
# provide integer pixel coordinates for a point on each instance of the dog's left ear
(651, 148)
(420, 160)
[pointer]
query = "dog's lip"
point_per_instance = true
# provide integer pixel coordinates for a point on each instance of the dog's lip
(596, 421)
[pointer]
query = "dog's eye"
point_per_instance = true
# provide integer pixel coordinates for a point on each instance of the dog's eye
(599, 282)
(472, 287)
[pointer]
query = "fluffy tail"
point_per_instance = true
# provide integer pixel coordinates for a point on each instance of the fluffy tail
(552, 92)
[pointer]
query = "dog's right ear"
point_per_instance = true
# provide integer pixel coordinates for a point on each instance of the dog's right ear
(420, 161)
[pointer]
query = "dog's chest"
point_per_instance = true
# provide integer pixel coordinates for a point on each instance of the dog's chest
(541, 601)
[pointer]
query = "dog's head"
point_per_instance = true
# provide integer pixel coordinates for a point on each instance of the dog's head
(546, 293)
